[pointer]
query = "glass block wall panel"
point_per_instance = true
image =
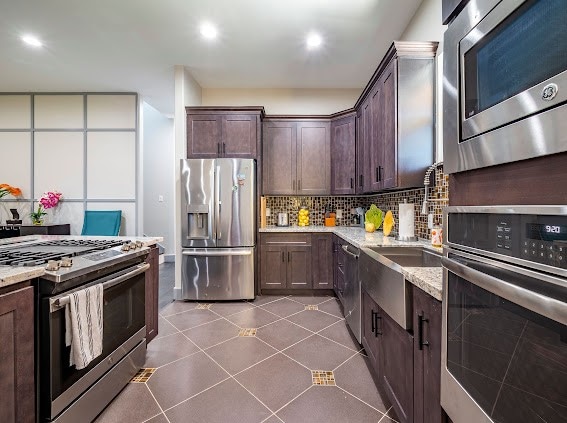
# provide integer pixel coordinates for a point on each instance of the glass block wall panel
(111, 111)
(16, 164)
(15, 112)
(59, 163)
(59, 112)
(111, 165)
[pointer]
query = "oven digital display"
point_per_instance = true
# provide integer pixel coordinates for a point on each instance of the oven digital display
(546, 232)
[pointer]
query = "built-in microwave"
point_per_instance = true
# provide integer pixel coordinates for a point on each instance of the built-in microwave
(505, 83)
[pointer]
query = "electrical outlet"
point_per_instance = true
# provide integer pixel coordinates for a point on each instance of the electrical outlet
(339, 214)
(430, 220)
(160, 198)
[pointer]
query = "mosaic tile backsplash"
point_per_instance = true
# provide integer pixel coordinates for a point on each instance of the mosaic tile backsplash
(438, 199)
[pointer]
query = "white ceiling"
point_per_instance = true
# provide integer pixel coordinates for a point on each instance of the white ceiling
(132, 45)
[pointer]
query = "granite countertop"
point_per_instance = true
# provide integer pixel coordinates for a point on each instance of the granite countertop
(429, 279)
(10, 275)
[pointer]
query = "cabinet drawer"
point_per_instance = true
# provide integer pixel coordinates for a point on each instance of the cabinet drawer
(287, 238)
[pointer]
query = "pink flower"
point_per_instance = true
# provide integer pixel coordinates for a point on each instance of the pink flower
(50, 199)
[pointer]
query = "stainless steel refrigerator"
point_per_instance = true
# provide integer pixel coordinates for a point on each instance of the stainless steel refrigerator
(218, 228)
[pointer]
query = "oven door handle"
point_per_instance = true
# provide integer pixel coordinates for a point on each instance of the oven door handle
(549, 307)
(58, 303)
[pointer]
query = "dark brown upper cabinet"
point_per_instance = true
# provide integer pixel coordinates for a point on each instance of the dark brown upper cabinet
(223, 132)
(296, 157)
(343, 155)
(395, 119)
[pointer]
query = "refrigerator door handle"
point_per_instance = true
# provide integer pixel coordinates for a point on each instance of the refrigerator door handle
(218, 202)
(217, 253)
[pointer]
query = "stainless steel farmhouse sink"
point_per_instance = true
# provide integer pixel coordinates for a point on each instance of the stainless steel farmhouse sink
(381, 276)
(406, 257)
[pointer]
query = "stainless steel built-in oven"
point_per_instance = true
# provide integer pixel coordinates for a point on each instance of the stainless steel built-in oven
(505, 83)
(504, 353)
(71, 395)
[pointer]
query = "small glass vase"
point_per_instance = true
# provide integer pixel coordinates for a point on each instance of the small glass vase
(37, 222)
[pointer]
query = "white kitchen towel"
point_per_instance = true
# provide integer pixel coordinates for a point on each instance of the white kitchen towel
(83, 325)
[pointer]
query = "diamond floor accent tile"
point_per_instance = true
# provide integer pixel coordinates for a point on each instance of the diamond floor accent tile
(203, 306)
(143, 375)
(323, 378)
(311, 307)
(247, 332)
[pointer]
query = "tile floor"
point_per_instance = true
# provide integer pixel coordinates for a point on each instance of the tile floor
(300, 364)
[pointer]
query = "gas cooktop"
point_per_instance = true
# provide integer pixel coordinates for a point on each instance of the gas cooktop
(65, 259)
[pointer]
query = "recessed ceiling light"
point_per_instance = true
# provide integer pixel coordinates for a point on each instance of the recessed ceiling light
(208, 31)
(314, 40)
(32, 41)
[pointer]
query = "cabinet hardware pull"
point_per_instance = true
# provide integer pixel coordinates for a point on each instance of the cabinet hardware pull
(360, 182)
(351, 183)
(218, 148)
(293, 185)
(420, 321)
(376, 331)
(283, 257)
(372, 320)
(378, 174)
(223, 148)
(299, 184)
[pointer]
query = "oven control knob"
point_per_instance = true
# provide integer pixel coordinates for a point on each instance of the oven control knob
(125, 246)
(139, 244)
(66, 262)
(52, 265)
(132, 245)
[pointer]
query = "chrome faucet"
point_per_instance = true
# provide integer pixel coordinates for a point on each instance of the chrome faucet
(426, 183)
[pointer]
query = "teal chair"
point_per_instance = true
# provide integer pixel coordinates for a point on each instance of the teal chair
(102, 222)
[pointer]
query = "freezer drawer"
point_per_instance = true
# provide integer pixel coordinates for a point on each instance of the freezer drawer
(217, 274)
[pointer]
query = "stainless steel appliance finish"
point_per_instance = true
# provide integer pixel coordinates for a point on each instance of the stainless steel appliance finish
(283, 219)
(73, 263)
(382, 277)
(526, 119)
(352, 294)
(504, 319)
(218, 229)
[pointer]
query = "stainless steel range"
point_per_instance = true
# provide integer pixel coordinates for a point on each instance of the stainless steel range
(66, 394)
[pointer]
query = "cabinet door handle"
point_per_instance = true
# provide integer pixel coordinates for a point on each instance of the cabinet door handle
(378, 174)
(376, 331)
(288, 256)
(420, 321)
(299, 184)
(360, 181)
(293, 185)
(218, 148)
(283, 257)
(351, 183)
(372, 321)
(223, 148)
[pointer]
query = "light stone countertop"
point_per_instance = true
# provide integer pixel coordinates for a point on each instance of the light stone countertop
(10, 275)
(429, 279)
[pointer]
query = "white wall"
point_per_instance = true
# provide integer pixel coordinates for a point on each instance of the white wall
(158, 144)
(276, 101)
(84, 145)
(426, 26)
(187, 93)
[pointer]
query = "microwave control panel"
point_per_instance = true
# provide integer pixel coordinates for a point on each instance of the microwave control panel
(537, 238)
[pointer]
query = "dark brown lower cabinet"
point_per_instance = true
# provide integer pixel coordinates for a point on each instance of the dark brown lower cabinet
(427, 358)
(407, 364)
(396, 345)
(322, 261)
(285, 261)
(152, 294)
(17, 387)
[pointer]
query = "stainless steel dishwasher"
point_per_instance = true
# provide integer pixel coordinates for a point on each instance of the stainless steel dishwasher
(352, 293)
